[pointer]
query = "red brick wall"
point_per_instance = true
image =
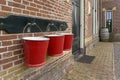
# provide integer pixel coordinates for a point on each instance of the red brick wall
(89, 37)
(88, 20)
(108, 5)
(11, 54)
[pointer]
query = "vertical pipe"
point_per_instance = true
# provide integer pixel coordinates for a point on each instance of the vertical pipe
(82, 24)
(101, 12)
(105, 19)
(94, 17)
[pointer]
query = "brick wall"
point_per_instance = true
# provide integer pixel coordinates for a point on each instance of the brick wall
(88, 24)
(88, 19)
(11, 51)
(90, 39)
(109, 5)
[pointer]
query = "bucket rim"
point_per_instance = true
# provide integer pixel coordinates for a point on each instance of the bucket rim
(65, 34)
(36, 38)
(54, 35)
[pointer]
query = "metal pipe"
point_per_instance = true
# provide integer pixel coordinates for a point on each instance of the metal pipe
(82, 33)
(28, 24)
(101, 12)
(34, 24)
(49, 25)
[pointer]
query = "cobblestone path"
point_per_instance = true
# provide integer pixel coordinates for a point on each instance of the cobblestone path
(96, 65)
(117, 60)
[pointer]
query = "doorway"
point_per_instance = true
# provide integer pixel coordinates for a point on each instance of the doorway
(108, 20)
(76, 26)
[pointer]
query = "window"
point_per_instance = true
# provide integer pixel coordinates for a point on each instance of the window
(95, 19)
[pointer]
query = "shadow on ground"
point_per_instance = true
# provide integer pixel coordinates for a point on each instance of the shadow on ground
(86, 59)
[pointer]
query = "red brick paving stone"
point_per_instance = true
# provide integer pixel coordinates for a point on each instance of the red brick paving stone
(8, 60)
(6, 43)
(0, 56)
(8, 37)
(2, 2)
(7, 65)
(8, 54)
(17, 52)
(17, 0)
(17, 41)
(13, 4)
(18, 62)
(3, 49)
(14, 47)
(3, 14)
(6, 8)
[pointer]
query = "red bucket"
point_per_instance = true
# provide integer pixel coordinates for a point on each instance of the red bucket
(35, 49)
(56, 44)
(68, 40)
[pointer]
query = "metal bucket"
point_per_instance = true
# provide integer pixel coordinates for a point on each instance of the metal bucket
(56, 44)
(35, 50)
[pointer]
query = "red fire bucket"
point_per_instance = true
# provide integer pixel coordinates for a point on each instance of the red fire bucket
(68, 40)
(35, 49)
(56, 44)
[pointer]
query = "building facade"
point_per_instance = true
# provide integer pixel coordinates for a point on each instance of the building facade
(11, 50)
(110, 18)
(92, 11)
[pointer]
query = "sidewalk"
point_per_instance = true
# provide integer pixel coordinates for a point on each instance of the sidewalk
(96, 65)
(117, 60)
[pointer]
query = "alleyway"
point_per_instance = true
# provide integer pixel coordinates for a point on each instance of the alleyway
(96, 65)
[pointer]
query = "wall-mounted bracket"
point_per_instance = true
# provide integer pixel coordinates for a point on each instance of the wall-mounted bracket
(16, 23)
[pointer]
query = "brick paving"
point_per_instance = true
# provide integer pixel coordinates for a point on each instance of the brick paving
(117, 60)
(97, 64)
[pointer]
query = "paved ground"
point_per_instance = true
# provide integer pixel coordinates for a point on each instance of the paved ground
(117, 60)
(96, 65)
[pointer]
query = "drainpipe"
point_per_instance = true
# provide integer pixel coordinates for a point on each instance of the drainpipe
(82, 26)
(101, 13)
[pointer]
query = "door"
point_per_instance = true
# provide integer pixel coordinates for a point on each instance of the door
(76, 26)
(109, 20)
